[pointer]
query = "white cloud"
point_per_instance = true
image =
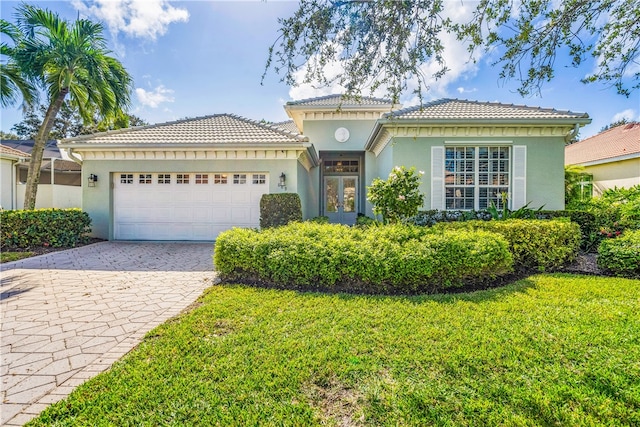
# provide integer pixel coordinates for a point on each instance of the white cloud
(456, 58)
(155, 97)
(628, 114)
(136, 18)
(462, 90)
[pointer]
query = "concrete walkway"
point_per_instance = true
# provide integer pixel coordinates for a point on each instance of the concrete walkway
(67, 316)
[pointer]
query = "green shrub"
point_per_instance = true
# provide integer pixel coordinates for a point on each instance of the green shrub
(279, 209)
(386, 259)
(319, 219)
(621, 256)
(365, 221)
(44, 227)
(535, 244)
(590, 232)
(398, 197)
(434, 216)
(617, 207)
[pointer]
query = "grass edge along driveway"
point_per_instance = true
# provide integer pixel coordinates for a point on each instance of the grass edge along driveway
(550, 349)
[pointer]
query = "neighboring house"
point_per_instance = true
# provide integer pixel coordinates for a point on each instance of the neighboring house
(612, 157)
(192, 179)
(60, 179)
(10, 158)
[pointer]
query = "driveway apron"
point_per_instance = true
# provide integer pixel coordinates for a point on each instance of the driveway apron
(69, 315)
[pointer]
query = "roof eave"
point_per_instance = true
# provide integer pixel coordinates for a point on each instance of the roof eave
(186, 146)
(399, 121)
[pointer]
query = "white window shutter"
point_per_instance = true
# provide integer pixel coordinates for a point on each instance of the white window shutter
(519, 176)
(437, 178)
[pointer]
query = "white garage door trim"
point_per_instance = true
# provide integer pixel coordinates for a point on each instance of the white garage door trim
(185, 206)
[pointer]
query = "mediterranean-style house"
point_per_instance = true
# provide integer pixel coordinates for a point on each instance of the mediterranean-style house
(193, 178)
(60, 179)
(612, 157)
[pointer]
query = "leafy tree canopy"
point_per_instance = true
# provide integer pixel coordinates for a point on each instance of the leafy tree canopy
(6, 135)
(64, 59)
(386, 44)
(68, 123)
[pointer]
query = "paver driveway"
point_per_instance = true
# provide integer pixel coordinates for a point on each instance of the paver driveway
(67, 316)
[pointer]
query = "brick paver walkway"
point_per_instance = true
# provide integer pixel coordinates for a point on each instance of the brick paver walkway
(67, 316)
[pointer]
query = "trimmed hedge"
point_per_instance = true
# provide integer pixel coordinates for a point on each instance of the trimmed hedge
(621, 256)
(589, 226)
(590, 231)
(279, 209)
(535, 244)
(386, 259)
(44, 227)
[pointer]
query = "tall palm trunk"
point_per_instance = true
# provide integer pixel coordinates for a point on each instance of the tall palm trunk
(33, 175)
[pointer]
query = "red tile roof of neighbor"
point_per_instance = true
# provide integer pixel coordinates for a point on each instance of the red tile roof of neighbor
(620, 141)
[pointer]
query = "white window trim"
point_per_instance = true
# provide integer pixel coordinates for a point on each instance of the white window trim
(517, 181)
(479, 143)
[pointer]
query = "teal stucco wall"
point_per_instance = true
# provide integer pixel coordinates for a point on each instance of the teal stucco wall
(545, 164)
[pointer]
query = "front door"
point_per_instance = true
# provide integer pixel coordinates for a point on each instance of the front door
(341, 199)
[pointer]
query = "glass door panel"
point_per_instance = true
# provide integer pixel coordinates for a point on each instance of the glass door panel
(341, 199)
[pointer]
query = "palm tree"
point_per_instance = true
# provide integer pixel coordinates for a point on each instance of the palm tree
(12, 79)
(67, 59)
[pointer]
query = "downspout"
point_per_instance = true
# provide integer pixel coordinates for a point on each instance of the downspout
(572, 134)
(73, 157)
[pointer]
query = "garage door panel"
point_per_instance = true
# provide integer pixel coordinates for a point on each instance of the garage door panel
(183, 211)
(240, 197)
(221, 214)
(221, 196)
(241, 215)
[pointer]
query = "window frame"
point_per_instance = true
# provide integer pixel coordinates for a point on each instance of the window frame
(476, 172)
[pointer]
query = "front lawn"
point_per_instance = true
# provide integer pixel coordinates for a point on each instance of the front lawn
(14, 256)
(548, 350)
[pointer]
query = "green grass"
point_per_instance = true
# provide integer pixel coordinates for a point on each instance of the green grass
(548, 350)
(14, 256)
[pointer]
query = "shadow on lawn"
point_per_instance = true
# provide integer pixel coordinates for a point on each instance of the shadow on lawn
(473, 292)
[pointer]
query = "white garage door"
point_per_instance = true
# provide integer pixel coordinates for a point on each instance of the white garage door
(185, 206)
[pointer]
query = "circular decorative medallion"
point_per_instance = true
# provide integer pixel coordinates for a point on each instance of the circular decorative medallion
(342, 134)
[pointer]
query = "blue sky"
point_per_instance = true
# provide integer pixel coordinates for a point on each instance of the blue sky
(195, 58)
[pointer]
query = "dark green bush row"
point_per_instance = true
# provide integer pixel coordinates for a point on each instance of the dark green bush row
(621, 256)
(385, 259)
(535, 244)
(279, 209)
(589, 227)
(44, 227)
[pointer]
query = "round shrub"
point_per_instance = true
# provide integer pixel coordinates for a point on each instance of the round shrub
(621, 256)
(386, 259)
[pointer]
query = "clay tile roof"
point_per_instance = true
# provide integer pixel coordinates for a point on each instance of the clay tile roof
(339, 101)
(623, 140)
(13, 152)
(216, 129)
(456, 109)
(288, 125)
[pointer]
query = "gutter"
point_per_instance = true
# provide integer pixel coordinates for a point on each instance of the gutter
(572, 134)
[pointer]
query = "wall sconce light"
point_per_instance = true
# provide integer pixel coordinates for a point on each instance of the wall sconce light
(283, 181)
(92, 180)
